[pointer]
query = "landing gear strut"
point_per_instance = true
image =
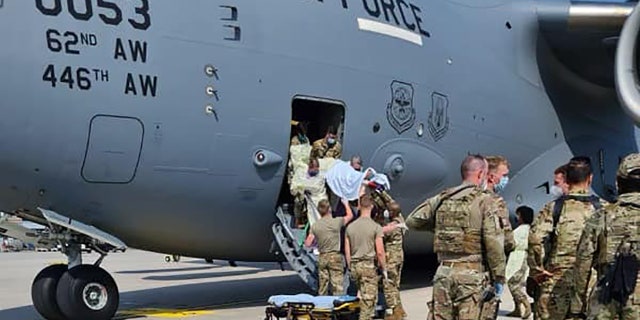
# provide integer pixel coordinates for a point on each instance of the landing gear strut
(76, 291)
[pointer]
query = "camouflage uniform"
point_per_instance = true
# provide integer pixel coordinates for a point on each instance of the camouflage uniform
(330, 270)
(607, 229)
(490, 308)
(320, 149)
(362, 234)
(395, 259)
(467, 232)
(330, 262)
(393, 248)
(554, 293)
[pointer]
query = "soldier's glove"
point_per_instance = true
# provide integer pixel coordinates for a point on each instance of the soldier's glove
(499, 289)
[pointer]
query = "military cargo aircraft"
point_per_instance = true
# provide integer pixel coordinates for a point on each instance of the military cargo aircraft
(166, 126)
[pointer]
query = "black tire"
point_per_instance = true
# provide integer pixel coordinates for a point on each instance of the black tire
(75, 288)
(43, 291)
(176, 258)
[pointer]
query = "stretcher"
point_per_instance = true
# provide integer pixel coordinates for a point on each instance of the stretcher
(308, 307)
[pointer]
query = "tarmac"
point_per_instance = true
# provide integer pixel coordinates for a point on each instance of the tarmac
(151, 288)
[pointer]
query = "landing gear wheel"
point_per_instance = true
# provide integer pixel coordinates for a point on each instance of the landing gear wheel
(176, 258)
(43, 291)
(87, 292)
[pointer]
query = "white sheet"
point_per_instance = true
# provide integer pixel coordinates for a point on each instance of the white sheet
(345, 181)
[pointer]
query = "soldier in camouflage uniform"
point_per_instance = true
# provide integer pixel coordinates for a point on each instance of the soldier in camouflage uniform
(467, 233)
(330, 263)
(393, 241)
(608, 230)
(363, 246)
(327, 147)
(390, 217)
(553, 241)
(497, 180)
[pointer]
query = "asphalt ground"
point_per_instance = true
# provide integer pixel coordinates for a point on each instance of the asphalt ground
(151, 288)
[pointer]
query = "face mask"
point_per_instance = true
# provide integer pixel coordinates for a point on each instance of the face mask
(501, 185)
(386, 214)
(313, 173)
(556, 191)
(331, 141)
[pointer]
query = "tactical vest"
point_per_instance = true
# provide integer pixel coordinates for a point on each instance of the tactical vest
(459, 223)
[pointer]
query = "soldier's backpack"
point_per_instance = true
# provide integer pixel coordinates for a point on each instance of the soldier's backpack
(557, 210)
(620, 279)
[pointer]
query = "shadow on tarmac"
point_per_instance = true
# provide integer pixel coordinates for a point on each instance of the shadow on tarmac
(417, 273)
(207, 275)
(167, 270)
(208, 296)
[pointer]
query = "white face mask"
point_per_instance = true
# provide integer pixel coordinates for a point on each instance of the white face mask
(386, 214)
(556, 191)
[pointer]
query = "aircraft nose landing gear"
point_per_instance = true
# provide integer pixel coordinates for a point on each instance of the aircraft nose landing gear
(82, 292)
(76, 291)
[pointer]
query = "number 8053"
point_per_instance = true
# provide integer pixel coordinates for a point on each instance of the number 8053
(110, 13)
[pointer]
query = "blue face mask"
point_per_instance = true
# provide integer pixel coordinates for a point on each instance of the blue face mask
(313, 173)
(501, 185)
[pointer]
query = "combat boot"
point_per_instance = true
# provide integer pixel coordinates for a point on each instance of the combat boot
(402, 312)
(389, 315)
(515, 313)
(398, 313)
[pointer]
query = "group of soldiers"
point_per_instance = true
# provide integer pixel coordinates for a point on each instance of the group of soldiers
(373, 250)
(579, 257)
(582, 253)
(370, 247)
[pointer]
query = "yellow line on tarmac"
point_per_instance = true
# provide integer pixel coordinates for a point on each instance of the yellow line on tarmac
(162, 313)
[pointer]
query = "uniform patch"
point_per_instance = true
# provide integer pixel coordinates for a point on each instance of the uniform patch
(400, 111)
(439, 116)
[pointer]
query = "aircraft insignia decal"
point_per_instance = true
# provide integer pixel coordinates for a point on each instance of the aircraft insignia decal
(439, 116)
(400, 111)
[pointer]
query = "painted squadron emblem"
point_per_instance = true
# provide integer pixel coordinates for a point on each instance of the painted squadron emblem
(438, 117)
(400, 111)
